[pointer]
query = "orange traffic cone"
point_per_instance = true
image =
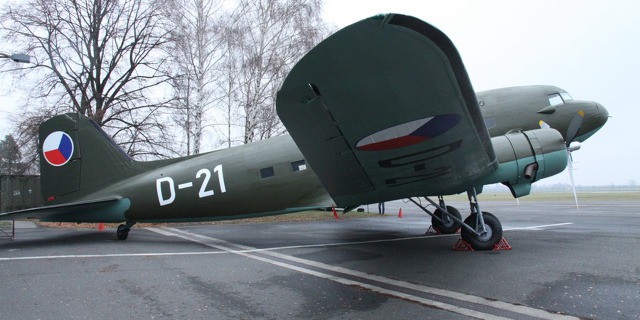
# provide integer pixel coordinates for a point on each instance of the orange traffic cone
(101, 226)
(335, 214)
(400, 213)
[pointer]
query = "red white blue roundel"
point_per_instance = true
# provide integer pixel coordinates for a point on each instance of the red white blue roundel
(409, 133)
(57, 148)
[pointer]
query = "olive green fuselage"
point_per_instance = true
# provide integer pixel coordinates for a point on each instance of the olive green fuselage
(522, 108)
(262, 178)
(271, 176)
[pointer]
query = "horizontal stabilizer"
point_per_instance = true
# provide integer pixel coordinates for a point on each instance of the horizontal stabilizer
(103, 210)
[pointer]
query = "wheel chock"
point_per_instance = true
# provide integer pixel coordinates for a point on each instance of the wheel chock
(502, 245)
(462, 245)
(431, 231)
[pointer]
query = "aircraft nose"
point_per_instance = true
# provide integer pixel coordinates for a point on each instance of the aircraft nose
(595, 116)
(601, 113)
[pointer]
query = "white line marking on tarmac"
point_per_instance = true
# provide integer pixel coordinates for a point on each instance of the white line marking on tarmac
(224, 245)
(114, 255)
(227, 246)
(170, 234)
(167, 233)
(250, 252)
(542, 227)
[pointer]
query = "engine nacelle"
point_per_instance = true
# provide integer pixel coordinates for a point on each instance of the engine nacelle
(526, 157)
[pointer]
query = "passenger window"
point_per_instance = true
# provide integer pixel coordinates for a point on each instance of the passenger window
(267, 172)
(555, 99)
(298, 165)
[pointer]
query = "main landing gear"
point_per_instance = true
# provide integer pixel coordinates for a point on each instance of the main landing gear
(123, 230)
(481, 230)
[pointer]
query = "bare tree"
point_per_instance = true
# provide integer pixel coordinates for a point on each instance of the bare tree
(100, 58)
(272, 35)
(230, 85)
(198, 47)
(231, 62)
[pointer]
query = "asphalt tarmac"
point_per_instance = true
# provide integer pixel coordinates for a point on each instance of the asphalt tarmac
(565, 264)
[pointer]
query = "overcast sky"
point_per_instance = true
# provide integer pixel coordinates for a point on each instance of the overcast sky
(589, 48)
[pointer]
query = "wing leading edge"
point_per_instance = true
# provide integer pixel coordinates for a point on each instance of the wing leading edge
(384, 109)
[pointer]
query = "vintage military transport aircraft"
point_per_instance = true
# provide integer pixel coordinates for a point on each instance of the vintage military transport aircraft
(381, 110)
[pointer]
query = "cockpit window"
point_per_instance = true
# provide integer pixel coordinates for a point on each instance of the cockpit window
(566, 96)
(555, 99)
(559, 98)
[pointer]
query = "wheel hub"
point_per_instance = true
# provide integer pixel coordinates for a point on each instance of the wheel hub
(486, 236)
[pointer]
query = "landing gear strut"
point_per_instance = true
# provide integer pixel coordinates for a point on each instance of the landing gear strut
(123, 230)
(486, 229)
(482, 230)
(482, 240)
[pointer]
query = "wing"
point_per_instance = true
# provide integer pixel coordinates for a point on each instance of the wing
(384, 109)
(103, 210)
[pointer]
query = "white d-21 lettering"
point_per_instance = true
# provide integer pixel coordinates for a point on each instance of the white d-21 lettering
(172, 191)
(203, 187)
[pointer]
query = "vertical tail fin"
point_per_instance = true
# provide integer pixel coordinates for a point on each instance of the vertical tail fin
(77, 157)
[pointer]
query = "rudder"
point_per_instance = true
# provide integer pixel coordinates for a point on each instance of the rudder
(77, 158)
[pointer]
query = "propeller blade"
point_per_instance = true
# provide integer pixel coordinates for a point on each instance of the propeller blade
(544, 125)
(572, 131)
(573, 184)
(574, 126)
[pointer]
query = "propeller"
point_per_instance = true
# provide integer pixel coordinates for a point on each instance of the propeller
(574, 126)
(572, 131)
(573, 147)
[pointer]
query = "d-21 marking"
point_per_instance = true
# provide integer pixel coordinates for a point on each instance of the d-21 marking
(204, 192)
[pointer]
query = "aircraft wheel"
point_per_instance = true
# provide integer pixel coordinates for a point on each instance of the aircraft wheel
(487, 240)
(123, 232)
(446, 227)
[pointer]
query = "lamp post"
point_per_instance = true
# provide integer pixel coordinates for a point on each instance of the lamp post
(18, 57)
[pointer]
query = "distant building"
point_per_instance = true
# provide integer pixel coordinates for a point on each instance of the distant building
(18, 192)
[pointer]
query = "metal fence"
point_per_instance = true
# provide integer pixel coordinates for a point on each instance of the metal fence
(8, 229)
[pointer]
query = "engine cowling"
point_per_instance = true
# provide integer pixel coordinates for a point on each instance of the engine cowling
(526, 157)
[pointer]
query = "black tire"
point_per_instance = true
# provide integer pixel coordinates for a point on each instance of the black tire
(123, 232)
(490, 239)
(449, 227)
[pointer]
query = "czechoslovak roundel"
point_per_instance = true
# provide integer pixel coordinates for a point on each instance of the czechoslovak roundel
(409, 133)
(57, 148)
